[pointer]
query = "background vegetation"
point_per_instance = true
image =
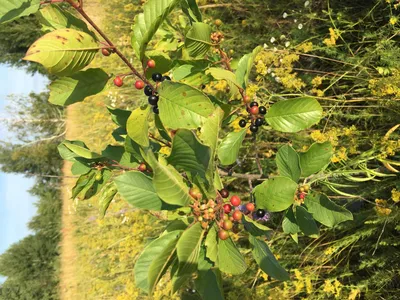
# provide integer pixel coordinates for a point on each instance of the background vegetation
(345, 53)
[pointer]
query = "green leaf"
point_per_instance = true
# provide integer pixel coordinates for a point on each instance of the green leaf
(106, 197)
(316, 158)
(118, 154)
(69, 90)
(79, 168)
(230, 260)
(137, 189)
(198, 39)
(212, 244)
(288, 162)
(66, 153)
(188, 249)
(228, 150)
(138, 126)
(244, 67)
(161, 129)
(275, 194)
(119, 116)
(63, 52)
(153, 261)
(14, 9)
(306, 222)
(182, 106)
(254, 228)
(89, 185)
(147, 23)
(81, 151)
(326, 211)
(168, 183)
(289, 224)
(189, 154)
(208, 285)
(190, 8)
(267, 261)
(295, 114)
(222, 74)
(52, 17)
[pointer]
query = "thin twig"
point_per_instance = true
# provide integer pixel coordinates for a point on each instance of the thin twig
(380, 236)
(109, 42)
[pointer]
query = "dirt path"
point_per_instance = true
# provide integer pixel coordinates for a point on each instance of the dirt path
(69, 254)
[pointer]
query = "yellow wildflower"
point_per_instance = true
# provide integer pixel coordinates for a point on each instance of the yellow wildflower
(251, 90)
(381, 208)
(393, 20)
(317, 81)
(328, 287)
(333, 37)
(305, 47)
(309, 286)
(395, 195)
(354, 294)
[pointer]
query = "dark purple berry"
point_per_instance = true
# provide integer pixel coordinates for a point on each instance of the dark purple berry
(260, 213)
(242, 123)
(157, 77)
(253, 104)
(153, 99)
(253, 128)
(165, 78)
(262, 110)
(156, 110)
(148, 91)
(259, 122)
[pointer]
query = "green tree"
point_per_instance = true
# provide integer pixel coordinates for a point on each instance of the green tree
(15, 39)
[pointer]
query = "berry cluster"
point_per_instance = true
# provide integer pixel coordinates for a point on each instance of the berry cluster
(217, 37)
(302, 193)
(148, 90)
(232, 214)
(256, 116)
(203, 212)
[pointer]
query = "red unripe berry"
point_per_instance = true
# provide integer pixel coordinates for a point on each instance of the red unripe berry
(250, 207)
(105, 52)
(237, 215)
(223, 234)
(118, 81)
(254, 110)
(142, 167)
(246, 99)
(302, 196)
(139, 84)
(235, 200)
(151, 64)
(227, 225)
(227, 208)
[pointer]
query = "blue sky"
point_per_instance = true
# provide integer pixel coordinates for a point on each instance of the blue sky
(16, 205)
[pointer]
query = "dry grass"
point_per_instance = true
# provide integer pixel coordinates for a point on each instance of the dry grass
(69, 254)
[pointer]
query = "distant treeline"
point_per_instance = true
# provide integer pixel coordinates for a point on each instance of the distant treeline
(31, 265)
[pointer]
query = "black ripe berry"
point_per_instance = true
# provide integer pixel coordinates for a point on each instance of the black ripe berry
(260, 213)
(165, 78)
(157, 77)
(148, 91)
(242, 123)
(262, 110)
(153, 99)
(253, 128)
(155, 110)
(253, 104)
(259, 122)
(224, 193)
